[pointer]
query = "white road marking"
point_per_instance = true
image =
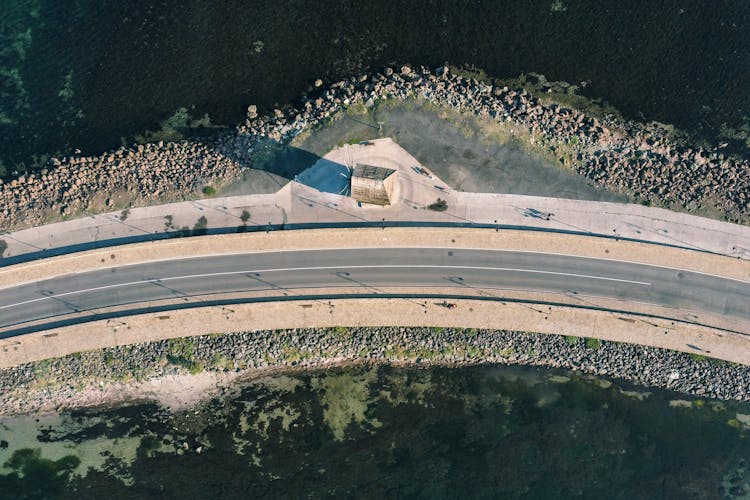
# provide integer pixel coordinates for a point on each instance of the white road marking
(322, 268)
(454, 249)
(325, 249)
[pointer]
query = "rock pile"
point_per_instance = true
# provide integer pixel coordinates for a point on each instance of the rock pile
(59, 381)
(628, 157)
(140, 175)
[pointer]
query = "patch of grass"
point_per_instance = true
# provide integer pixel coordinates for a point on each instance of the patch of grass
(195, 368)
(505, 352)
(593, 343)
(209, 191)
(42, 369)
(341, 332)
(471, 71)
(471, 332)
(350, 141)
(474, 352)
(294, 355)
(181, 353)
(109, 360)
(181, 347)
(570, 339)
(700, 357)
(357, 109)
(221, 362)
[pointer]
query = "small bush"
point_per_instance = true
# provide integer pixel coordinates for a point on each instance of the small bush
(201, 226)
(124, 214)
(209, 191)
(3, 247)
(439, 206)
(245, 216)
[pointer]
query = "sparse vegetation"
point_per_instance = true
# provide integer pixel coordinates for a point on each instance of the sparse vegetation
(124, 214)
(221, 362)
(245, 216)
(470, 72)
(181, 353)
(505, 352)
(593, 343)
(3, 247)
(295, 355)
(42, 370)
(209, 191)
(700, 357)
(341, 332)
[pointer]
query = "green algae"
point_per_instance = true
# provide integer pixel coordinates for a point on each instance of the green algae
(346, 399)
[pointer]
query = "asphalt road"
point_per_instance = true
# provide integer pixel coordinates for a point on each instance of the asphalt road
(367, 271)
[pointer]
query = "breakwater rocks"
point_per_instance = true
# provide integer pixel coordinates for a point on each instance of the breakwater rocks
(636, 159)
(141, 175)
(63, 382)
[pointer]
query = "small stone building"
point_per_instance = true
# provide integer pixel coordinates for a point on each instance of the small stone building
(372, 184)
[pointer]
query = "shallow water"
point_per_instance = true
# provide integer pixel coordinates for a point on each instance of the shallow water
(86, 74)
(386, 432)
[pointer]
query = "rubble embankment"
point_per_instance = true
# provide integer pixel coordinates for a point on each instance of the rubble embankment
(641, 161)
(79, 379)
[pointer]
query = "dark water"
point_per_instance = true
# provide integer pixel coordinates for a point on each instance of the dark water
(393, 433)
(87, 73)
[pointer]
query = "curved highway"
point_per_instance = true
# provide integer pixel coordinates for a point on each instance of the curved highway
(365, 271)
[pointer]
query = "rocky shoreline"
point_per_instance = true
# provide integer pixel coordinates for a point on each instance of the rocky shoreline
(639, 160)
(99, 377)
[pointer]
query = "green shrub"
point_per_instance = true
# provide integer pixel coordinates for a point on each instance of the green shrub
(201, 226)
(439, 206)
(209, 191)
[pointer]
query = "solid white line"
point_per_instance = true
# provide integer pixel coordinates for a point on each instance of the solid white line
(322, 268)
(453, 249)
